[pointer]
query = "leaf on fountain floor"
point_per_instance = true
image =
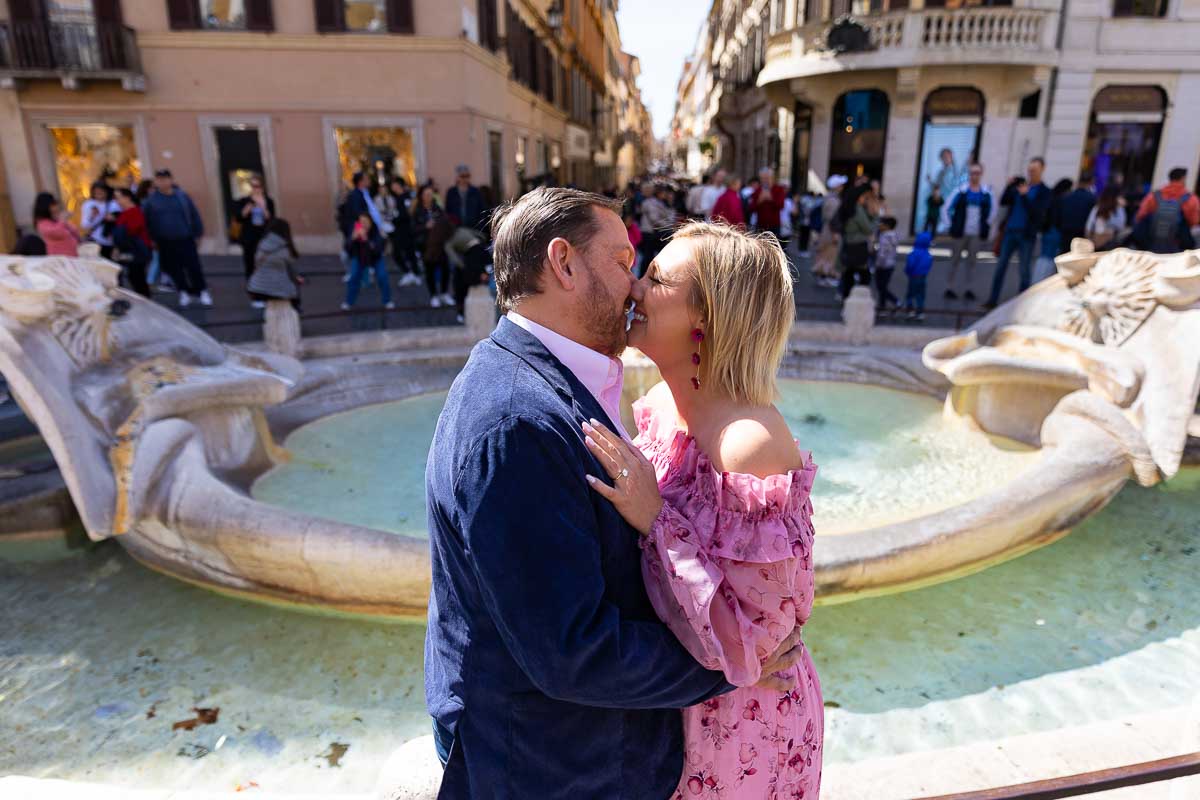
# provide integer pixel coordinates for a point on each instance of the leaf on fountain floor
(336, 751)
(204, 716)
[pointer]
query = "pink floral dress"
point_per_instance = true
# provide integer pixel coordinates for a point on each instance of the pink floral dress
(728, 567)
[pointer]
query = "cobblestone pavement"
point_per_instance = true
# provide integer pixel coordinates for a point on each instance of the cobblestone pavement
(232, 319)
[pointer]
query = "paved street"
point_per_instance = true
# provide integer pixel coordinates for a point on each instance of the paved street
(820, 304)
(232, 319)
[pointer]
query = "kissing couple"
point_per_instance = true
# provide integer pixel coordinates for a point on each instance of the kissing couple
(617, 618)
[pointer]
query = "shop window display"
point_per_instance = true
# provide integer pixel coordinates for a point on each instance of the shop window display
(84, 154)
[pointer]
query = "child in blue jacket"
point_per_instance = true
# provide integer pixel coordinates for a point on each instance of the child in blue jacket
(917, 268)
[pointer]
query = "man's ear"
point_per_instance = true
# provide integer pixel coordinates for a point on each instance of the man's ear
(559, 255)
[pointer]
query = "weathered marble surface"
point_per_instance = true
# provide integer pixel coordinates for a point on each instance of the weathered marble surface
(159, 430)
(1121, 326)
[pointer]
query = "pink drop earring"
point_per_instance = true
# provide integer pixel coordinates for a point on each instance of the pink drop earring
(697, 337)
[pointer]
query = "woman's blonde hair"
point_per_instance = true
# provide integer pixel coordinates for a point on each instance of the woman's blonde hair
(742, 289)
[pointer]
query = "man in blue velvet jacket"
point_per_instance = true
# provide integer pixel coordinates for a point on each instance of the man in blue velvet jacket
(547, 672)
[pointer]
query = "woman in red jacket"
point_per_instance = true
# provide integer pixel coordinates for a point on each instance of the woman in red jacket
(132, 240)
(728, 207)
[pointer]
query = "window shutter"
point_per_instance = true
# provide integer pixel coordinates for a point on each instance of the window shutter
(259, 15)
(184, 15)
(107, 11)
(400, 16)
(25, 11)
(331, 16)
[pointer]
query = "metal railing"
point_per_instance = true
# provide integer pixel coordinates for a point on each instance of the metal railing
(68, 47)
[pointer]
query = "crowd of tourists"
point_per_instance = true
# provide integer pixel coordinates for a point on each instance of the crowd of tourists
(437, 239)
(441, 239)
(149, 228)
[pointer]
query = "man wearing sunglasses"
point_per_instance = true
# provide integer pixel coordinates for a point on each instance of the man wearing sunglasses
(464, 202)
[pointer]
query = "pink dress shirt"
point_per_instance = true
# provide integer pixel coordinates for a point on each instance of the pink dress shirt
(601, 375)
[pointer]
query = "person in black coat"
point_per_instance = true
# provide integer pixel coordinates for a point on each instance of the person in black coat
(464, 202)
(253, 213)
(403, 245)
(1073, 210)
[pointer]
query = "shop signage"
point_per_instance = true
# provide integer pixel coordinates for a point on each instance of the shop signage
(954, 103)
(1129, 104)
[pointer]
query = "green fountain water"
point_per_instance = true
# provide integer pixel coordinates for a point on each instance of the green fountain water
(883, 455)
(101, 656)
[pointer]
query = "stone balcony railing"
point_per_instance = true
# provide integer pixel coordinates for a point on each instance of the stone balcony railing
(915, 38)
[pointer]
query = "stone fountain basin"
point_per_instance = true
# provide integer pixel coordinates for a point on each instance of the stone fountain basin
(253, 549)
(160, 432)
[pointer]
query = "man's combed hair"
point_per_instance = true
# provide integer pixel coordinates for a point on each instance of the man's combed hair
(523, 229)
(742, 289)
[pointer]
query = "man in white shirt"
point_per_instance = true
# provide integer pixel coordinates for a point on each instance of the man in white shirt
(712, 191)
(968, 214)
(693, 197)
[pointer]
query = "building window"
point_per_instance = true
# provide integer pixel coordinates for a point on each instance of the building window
(1030, 104)
(1140, 8)
(223, 14)
(489, 31)
(522, 149)
(955, 4)
(362, 16)
(366, 16)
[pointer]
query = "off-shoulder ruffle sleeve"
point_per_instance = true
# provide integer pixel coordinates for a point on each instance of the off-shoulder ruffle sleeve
(728, 561)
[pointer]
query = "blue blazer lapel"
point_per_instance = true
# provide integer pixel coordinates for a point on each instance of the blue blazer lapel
(525, 346)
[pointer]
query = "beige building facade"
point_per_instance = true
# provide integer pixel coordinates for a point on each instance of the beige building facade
(886, 87)
(304, 92)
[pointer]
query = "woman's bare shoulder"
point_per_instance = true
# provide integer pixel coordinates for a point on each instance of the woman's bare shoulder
(758, 443)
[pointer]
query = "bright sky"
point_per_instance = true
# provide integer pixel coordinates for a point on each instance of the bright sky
(661, 33)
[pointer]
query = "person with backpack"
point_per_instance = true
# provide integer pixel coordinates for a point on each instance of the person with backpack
(1166, 216)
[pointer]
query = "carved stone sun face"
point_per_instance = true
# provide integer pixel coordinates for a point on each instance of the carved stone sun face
(82, 321)
(1115, 297)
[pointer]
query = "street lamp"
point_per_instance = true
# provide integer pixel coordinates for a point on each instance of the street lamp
(554, 16)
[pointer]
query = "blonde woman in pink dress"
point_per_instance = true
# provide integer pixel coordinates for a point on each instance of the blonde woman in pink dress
(719, 490)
